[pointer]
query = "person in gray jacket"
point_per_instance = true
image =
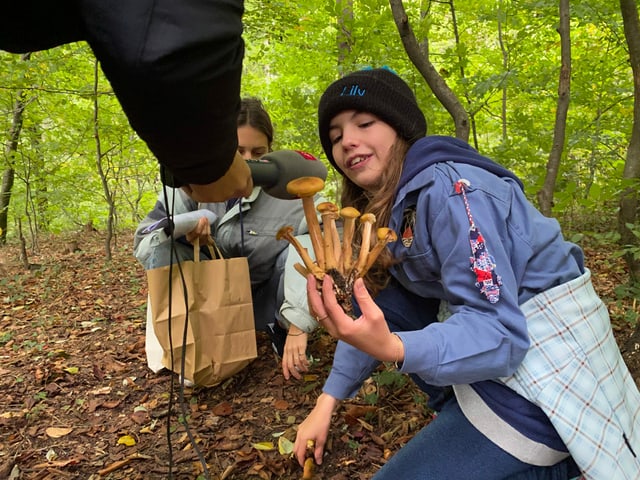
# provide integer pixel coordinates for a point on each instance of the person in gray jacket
(244, 227)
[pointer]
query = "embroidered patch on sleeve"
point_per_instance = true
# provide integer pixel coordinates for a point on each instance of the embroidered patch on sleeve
(482, 262)
(408, 224)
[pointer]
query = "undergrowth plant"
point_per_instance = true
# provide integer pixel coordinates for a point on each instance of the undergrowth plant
(385, 379)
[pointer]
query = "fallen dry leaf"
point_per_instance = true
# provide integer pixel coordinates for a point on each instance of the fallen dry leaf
(57, 432)
(281, 404)
(223, 409)
(127, 440)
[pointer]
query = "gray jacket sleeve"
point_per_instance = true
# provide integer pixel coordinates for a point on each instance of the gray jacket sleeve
(152, 248)
(294, 309)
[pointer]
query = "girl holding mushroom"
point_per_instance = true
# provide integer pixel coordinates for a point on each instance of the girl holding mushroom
(527, 348)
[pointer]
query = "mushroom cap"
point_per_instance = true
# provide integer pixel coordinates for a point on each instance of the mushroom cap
(387, 234)
(284, 231)
(368, 217)
(327, 207)
(349, 212)
(305, 186)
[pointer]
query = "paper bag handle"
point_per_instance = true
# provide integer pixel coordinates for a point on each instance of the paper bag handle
(214, 251)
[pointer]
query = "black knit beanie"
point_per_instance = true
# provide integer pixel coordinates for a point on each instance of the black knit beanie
(378, 91)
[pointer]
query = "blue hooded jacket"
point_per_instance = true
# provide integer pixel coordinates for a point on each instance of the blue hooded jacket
(481, 340)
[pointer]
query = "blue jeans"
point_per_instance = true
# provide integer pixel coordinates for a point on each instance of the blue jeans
(450, 448)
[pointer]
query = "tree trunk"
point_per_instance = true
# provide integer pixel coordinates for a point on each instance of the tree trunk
(12, 147)
(545, 195)
(40, 181)
(344, 38)
(505, 68)
(631, 175)
(108, 195)
(420, 58)
(5, 198)
(463, 75)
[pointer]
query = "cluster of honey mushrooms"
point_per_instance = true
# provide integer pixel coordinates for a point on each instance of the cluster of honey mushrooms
(334, 257)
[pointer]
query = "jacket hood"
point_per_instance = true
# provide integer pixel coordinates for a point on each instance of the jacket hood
(437, 148)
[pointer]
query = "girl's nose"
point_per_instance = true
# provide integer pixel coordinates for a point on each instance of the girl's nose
(349, 137)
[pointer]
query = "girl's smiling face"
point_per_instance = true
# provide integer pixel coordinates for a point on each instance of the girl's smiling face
(361, 146)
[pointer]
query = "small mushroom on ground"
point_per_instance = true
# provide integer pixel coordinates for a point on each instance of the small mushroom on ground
(307, 471)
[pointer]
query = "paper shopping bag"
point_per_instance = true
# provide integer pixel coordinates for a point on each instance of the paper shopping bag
(213, 299)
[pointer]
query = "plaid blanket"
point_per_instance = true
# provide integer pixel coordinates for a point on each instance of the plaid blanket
(574, 371)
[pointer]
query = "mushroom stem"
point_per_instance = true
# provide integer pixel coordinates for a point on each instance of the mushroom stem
(328, 211)
(314, 230)
(286, 233)
(385, 236)
(367, 220)
(337, 246)
(305, 188)
(301, 269)
(349, 214)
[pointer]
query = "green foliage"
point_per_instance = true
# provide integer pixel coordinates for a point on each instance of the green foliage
(633, 250)
(5, 337)
(388, 379)
(57, 187)
(629, 290)
(500, 50)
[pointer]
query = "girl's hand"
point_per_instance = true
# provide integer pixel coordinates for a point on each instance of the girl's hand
(294, 358)
(368, 333)
(202, 231)
(316, 428)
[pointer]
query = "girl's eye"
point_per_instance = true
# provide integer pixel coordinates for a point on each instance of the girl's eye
(367, 124)
(258, 153)
(336, 139)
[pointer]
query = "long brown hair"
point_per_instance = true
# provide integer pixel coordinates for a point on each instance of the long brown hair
(378, 202)
(253, 114)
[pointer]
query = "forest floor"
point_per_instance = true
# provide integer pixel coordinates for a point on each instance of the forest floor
(78, 401)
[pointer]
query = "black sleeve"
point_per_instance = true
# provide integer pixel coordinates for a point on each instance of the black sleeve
(175, 66)
(34, 25)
